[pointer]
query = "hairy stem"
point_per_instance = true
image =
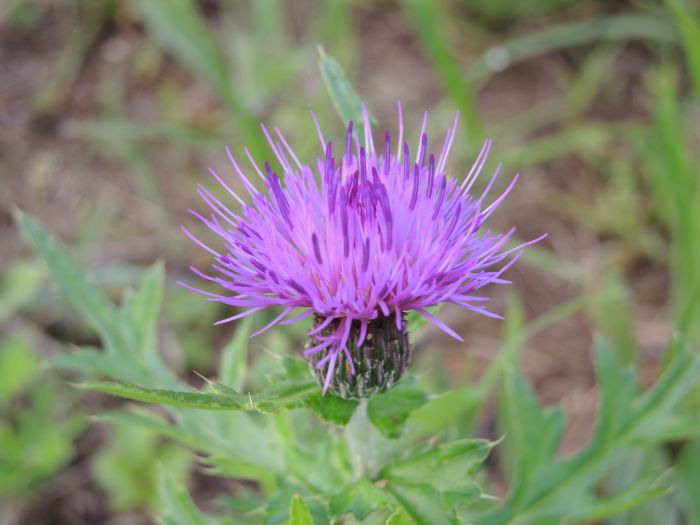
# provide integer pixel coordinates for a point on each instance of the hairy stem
(362, 440)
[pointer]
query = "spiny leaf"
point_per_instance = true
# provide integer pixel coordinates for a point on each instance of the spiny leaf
(638, 493)
(150, 420)
(432, 481)
(533, 433)
(85, 296)
(618, 387)
(281, 397)
(446, 468)
(361, 499)
(389, 410)
(423, 504)
(331, 408)
(673, 384)
(543, 487)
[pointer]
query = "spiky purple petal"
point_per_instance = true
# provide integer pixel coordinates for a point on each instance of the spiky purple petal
(373, 234)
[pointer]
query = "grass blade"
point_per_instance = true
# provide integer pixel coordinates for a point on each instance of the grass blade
(690, 32)
(565, 36)
(426, 16)
(179, 27)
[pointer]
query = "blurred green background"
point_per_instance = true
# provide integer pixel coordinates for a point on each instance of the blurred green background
(111, 112)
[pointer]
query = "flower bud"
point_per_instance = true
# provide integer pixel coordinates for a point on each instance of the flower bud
(377, 364)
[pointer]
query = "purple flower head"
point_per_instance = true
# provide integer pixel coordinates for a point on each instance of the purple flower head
(367, 233)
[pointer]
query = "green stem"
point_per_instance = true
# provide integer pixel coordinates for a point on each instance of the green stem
(361, 440)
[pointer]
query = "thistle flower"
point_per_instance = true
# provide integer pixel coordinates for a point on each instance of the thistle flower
(358, 241)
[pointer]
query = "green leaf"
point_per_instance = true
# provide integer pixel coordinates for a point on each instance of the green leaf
(666, 428)
(545, 489)
(295, 368)
(389, 410)
(127, 466)
(237, 445)
(423, 504)
(636, 494)
(443, 411)
(432, 482)
(284, 395)
(670, 388)
(235, 355)
(688, 480)
(331, 408)
(18, 365)
(138, 417)
(299, 513)
(690, 313)
(641, 464)
(514, 335)
(280, 397)
(93, 362)
(618, 387)
(205, 401)
(612, 313)
(361, 499)
(447, 468)
(125, 332)
(36, 438)
(347, 103)
(399, 517)
(176, 504)
(532, 434)
(279, 505)
(19, 284)
(142, 309)
(71, 279)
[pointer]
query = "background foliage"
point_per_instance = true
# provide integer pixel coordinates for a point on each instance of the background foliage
(581, 408)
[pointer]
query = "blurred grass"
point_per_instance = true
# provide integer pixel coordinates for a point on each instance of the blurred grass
(689, 26)
(572, 34)
(178, 26)
(673, 179)
(89, 23)
(430, 23)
